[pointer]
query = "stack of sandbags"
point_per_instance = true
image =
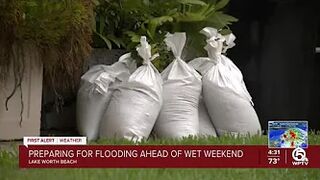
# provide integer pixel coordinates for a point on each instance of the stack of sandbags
(135, 104)
(95, 92)
(228, 102)
(181, 91)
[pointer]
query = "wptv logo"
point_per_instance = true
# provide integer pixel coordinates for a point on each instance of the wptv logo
(299, 156)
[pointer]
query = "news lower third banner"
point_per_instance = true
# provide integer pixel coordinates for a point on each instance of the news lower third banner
(71, 152)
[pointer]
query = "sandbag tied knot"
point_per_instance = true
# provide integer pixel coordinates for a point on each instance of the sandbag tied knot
(175, 42)
(229, 42)
(144, 50)
(214, 42)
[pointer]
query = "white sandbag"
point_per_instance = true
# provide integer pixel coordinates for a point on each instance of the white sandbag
(206, 127)
(181, 91)
(135, 104)
(226, 97)
(94, 93)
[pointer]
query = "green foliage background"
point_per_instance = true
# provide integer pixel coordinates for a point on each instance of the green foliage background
(120, 23)
(62, 30)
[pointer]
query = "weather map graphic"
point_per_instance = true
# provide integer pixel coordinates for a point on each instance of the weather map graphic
(288, 134)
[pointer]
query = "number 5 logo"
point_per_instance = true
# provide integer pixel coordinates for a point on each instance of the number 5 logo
(299, 154)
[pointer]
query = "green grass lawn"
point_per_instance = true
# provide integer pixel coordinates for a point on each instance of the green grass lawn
(9, 165)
